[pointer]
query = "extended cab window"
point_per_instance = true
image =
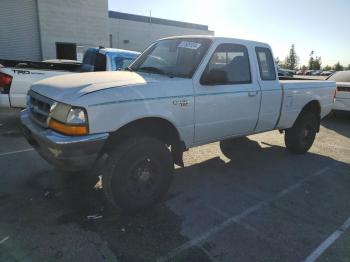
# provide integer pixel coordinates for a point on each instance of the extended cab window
(266, 63)
(228, 65)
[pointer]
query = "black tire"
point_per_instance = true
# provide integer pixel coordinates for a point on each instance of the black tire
(301, 136)
(138, 173)
(232, 148)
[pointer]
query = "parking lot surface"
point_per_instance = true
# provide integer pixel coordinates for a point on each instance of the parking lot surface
(264, 205)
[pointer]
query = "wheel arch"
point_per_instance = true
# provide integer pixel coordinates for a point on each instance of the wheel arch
(156, 127)
(313, 106)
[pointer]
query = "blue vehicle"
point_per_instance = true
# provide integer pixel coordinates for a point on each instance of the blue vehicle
(16, 76)
(107, 59)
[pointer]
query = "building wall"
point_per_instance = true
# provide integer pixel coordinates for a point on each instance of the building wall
(84, 22)
(30, 29)
(19, 30)
(141, 34)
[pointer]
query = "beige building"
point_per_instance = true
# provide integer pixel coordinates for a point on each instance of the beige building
(136, 32)
(47, 29)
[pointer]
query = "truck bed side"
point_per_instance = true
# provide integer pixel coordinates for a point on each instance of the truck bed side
(22, 79)
(298, 93)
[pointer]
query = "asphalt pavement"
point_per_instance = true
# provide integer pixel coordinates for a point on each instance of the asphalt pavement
(265, 205)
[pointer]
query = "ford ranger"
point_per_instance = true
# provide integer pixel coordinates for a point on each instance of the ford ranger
(16, 77)
(182, 92)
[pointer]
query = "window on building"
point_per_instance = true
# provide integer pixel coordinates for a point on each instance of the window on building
(66, 51)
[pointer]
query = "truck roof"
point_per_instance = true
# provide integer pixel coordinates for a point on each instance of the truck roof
(221, 39)
(115, 50)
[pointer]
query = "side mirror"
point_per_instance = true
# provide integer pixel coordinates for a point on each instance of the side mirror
(215, 77)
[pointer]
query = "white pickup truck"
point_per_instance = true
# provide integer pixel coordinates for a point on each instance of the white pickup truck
(182, 92)
(16, 77)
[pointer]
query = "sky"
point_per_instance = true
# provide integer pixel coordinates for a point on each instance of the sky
(320, 26)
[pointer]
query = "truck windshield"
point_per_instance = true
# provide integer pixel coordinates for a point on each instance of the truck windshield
(173, 57)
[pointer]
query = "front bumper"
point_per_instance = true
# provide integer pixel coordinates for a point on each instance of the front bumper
(64, 152)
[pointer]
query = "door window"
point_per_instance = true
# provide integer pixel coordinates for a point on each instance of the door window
(266, 63)
(228, 65)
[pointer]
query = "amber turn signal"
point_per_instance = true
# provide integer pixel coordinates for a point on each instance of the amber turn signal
(71, 130)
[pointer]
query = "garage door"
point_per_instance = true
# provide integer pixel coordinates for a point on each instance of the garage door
(19, 30)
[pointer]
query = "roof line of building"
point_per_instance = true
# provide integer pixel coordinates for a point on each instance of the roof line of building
(154, 20)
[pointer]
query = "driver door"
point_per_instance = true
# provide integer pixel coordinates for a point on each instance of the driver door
(227, 99)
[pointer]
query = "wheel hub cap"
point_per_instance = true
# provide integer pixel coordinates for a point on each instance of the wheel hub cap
(144, 175)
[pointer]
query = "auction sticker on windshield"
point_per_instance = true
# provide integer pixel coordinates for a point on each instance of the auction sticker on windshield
(189, 45)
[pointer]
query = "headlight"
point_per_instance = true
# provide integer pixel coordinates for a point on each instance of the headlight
(76, 116)
(59, 112)
(68, 120)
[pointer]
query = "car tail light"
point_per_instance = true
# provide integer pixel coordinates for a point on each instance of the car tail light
(5, 83)
(343, 89)
(335, 95)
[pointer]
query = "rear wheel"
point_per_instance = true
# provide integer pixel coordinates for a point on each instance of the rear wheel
(138, 173)
(301, 136)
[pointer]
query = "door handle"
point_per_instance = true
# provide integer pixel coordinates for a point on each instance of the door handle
(253, 93)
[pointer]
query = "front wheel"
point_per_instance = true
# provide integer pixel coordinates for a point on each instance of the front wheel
(138, 173)
(301, 136)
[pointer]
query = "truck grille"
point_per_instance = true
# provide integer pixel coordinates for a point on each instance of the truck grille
(39, 108)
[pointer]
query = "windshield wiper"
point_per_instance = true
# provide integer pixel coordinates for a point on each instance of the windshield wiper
(129, 69)
(155, 70)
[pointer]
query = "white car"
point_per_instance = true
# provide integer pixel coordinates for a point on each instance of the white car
(342, 101)
(16, 77)
(199, 90)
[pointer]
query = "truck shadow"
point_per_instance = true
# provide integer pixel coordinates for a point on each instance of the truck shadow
(10, 125)
(255, 173)
(258, 171)
(339, 122)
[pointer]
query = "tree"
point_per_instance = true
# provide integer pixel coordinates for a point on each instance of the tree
(338, 67)
(292, 60)
(303, 68)
(349, 67)
(278, 62)
(314, 63)
(327, 68)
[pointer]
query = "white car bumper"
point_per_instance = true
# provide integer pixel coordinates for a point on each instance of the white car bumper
(4, 100)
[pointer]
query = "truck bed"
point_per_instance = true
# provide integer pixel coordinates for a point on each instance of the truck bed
(297, 93)
(22, 64)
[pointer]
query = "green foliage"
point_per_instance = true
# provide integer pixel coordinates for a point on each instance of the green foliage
(304, 68)
(338, 67)
(314, 62)
(327, 68)
(292, 60)
(278, 62)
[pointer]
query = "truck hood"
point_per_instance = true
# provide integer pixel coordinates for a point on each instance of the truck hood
(72, 86)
